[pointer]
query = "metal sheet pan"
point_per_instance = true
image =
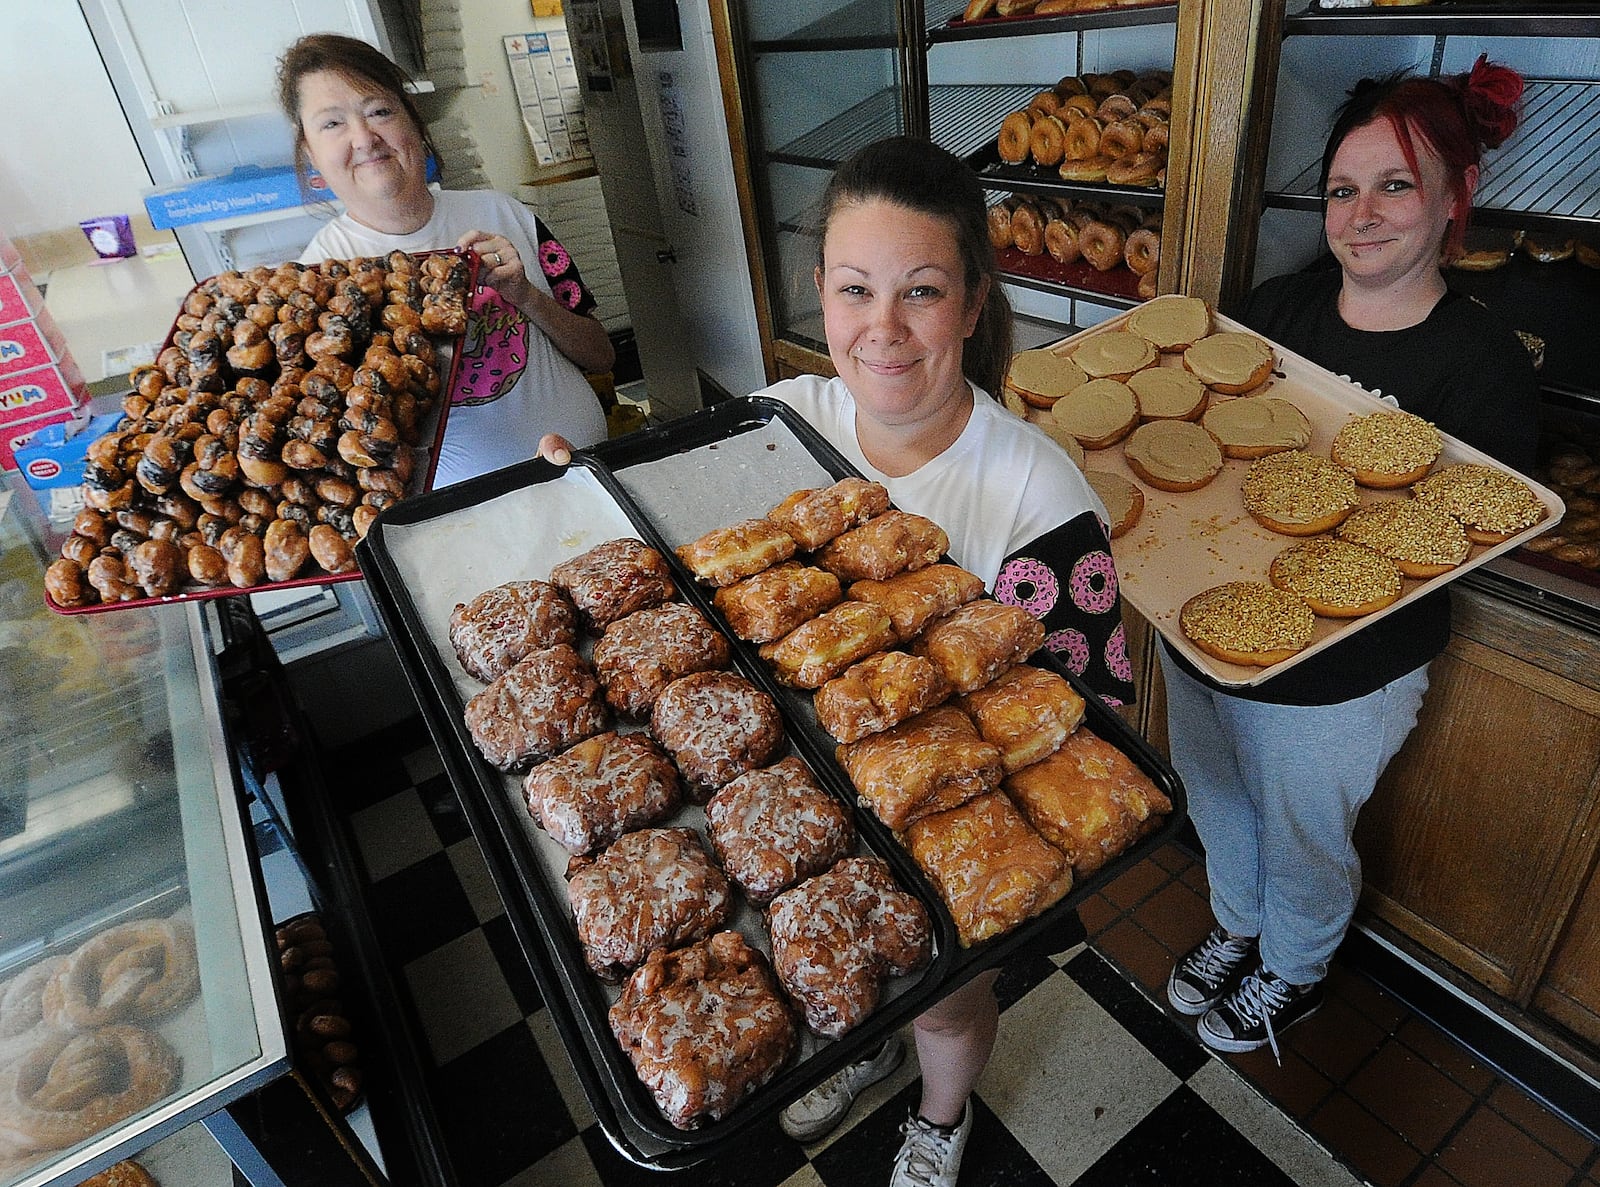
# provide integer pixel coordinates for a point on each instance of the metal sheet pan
(433, 428)
(664, 485)
(1185, 543)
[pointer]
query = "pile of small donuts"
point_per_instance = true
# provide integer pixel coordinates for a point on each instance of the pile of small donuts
(321, 1031)
(1095, 128)
(1105, 237)
(266, 438)
(1573, 472)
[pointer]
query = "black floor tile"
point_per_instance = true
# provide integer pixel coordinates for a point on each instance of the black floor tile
(1178, 1050)
(1183, 1142)
(513, 964)
(864, 1156)
(499, 1108)
(359, 776)
(1021, 974)
(439, 799)
(761, 1157)
(418, 909)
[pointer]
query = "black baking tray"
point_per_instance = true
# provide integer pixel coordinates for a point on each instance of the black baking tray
(539, 912)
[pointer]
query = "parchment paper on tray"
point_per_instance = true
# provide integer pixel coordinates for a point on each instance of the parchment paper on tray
(1188, 542)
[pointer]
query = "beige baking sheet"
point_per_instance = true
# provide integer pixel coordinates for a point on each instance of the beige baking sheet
(1189, 542)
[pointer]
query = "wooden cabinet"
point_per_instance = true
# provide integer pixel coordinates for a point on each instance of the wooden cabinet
(1482, 835)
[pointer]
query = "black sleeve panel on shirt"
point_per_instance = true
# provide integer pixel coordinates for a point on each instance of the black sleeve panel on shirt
(1066, 578)
(553, 255)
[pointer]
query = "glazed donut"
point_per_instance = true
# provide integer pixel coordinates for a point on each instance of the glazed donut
(1159, 107)
(73, 1086)
(22, 1007)
(142, 969)
(1070, 85)
(977, 9)
(1587, 255)
(1548, 251)
(1129, 218)
(1061, 241)
(1015, 132)
(1122, 138)
(1044, 103)
(1048, 140)
(1081, 103)
(1155, 139)
(1147, 286)
(1142, 251)
(1027, 229)
(1102, 244)
(1115, 107)
(1139, 169)
(1092, 169)
(1486, 260)
(1082, 139)
(999, 218)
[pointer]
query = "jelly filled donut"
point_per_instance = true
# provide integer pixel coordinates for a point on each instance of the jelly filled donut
(1048, 140)
(1015, 132)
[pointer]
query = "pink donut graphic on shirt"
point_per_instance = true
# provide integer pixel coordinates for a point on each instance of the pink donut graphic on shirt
(1093, 584)
(1117, 655)
(1029, 584)
(1072, 647)
(553, 258)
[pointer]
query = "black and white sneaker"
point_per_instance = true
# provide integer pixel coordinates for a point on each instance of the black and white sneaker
(1263, 1007)
(1203, 978)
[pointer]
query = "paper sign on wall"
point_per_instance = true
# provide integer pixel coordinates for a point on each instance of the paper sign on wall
(546, 82)
(677, 130)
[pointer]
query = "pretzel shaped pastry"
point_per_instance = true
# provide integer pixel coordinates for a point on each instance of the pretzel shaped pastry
(22, 1007)
(73, 1086)
(136, 970)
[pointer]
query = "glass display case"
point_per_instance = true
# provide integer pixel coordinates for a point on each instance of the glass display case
(136, 991)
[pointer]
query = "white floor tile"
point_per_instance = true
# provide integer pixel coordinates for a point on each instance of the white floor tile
(555, 1058)
(424, 764)
(394, 834)
(806, 1176)
(1067, 1080)
(461, 996)
(567, 1165)
(467, 860)
(1267, 1128)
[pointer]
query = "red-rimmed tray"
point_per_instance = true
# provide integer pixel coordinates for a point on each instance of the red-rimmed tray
(1120, 281)
(432, 435)
(1096, 8)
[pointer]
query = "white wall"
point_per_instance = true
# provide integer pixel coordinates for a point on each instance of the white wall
(65, 150)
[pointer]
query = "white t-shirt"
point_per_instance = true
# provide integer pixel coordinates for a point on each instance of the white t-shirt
(514, 385)
(1000, 486)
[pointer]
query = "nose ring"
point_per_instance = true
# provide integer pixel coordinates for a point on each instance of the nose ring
(495, 256)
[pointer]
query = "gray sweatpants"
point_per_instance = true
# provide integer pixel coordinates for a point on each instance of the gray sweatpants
(1274, 791)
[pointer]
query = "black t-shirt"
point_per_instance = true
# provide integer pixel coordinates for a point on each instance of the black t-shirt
(1461, 368)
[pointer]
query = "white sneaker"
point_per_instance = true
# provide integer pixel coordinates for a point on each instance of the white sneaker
(819, 1111)
(930, 1157)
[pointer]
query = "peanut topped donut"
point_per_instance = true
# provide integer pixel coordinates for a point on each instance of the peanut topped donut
(1296, 493)
(1387, 449)
(1248, 622)
(1492, 505)
(1423, 541)
(1336, 578)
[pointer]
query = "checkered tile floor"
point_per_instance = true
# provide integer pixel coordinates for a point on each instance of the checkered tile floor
(1091, 1085)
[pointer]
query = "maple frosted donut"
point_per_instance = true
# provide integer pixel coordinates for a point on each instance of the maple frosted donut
(1102, 244)
(1254, 427)
(1098, 413)
(1230, 362)
(1114, 354)
(1047, 142)
(1124, 501)
(1016, 131)
(1173, 455)
(1168, 393)
(1024, 573)
(1027, 229)
(1171, 324)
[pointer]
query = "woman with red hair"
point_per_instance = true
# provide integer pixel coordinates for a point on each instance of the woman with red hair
(1277, 773)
